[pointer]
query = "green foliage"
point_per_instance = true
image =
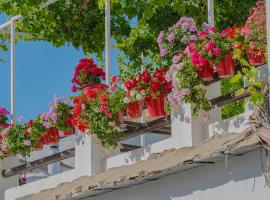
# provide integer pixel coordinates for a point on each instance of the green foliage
(197, 97)
(234, 108)
(20, 141)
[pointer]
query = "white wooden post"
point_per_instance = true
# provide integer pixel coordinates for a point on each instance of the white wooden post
(143, 142)
(12, 69)
(107, 40)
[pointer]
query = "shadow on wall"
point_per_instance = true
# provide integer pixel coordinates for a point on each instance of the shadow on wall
(242, 180)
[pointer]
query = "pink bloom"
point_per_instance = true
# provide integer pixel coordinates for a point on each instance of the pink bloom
(216, 51)
(202, 34)
(176, 59)
(211, 45)
(27, 143)
(3, 111)
(20, 118)
(61, 133)
(112, 124)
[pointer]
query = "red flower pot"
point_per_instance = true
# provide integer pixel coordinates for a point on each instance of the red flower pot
(134, 109)
(69, 132)
(255, 59)
(51, 136)
(4, 125)
(205, 71)
(226, 68)
(156, 106)
(39, 146)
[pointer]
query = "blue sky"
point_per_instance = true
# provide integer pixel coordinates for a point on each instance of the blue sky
(41, 72)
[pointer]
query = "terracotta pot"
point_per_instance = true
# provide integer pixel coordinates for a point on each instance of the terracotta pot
(205, 71)
(135, 109)
(93, 86)
(226, 68)
(156, 106)
(69, 132)
(39, 146)
(4, 125)
(51, 136)
(255, 59)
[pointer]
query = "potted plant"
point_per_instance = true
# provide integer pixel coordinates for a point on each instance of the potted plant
(36, 128)
(173, 42)
(3, 118)
(134, 96)
(153, 88)
(202, 52)
(187, 87)
(98, 111)
(87, 74)
(4, 143)
(255, 34)
(225, 62)
(58, 119)
(21, 140)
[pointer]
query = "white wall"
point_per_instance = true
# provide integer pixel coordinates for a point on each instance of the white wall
(242, 180)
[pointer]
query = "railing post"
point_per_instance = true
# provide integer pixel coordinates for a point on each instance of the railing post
(107, 40)
(12, 69)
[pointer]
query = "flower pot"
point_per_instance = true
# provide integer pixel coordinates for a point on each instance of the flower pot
(69, 132)
(205, 71)
(51, 136)
(94, 86)
(156, 106)
(4, 125)
(226, 68)
(134, 109)
(39, 146)
(255, 59)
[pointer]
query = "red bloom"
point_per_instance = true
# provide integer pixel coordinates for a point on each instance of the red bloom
(30, 123)
(155, 86)
(74, 88)
(108, 113)
(103, 108)
(91, 93)
(26, 133)
(104, 98)
(76, 100)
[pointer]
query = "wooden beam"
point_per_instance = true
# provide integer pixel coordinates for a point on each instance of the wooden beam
(39, 163)
(147, 127)
(128, 147)
(229, 98)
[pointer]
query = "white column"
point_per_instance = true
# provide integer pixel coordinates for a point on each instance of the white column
(54, 168)
(12, 70)
(211, 13)
(107, 40)
(90, 155)
(143, 141)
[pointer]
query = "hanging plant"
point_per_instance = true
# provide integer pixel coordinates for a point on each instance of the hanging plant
(99, 111)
